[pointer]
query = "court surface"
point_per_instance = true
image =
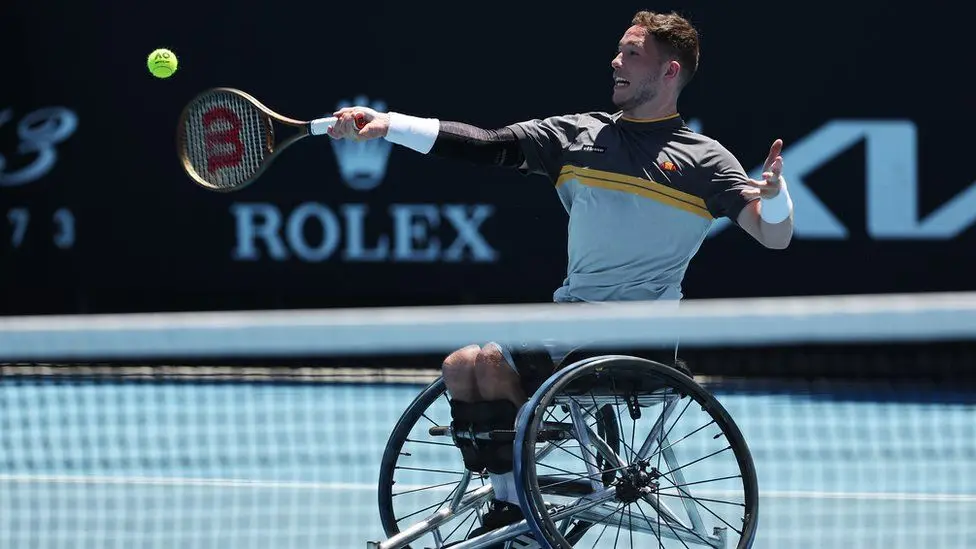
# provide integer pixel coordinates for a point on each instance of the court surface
(279, 467)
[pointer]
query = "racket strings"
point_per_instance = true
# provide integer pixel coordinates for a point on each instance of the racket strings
(226, 139)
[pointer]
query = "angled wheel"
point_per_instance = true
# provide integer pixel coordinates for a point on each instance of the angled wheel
(683, 476)
(422, 473)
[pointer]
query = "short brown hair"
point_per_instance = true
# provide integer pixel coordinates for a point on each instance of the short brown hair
(676, 36)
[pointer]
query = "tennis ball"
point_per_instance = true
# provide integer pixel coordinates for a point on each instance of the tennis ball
(162, 63)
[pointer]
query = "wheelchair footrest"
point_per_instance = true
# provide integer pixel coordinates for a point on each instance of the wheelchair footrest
(550, 431)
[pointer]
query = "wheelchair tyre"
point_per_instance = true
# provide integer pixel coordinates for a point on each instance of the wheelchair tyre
(394, 446)
(568, 381)
(418, 411)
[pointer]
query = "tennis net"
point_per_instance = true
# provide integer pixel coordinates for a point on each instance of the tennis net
(267, 429)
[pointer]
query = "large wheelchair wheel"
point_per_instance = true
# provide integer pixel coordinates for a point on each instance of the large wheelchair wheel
(426, 496)
(684, 477)
(419, 474)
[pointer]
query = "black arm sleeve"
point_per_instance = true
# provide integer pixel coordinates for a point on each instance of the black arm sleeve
(487, 147)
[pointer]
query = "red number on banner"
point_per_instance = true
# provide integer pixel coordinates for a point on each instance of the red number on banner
(222, 136)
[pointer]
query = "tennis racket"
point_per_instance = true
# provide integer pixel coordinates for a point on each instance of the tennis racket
(226, 138)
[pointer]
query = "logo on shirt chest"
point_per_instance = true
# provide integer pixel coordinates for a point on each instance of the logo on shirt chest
(672, 174)
(593, 148)
(668, 170)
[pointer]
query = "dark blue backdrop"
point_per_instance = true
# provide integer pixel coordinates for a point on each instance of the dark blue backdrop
(97, 215)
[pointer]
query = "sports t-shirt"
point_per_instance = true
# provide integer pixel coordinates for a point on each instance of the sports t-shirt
(640, 194)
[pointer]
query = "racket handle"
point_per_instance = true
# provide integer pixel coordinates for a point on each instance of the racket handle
(321, 125)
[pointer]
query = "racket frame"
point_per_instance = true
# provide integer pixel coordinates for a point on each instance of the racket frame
(304, 128)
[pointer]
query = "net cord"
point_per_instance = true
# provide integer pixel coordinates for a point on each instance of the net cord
(696, 323)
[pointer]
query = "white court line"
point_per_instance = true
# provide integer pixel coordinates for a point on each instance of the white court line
(185, 481)
(357, 487)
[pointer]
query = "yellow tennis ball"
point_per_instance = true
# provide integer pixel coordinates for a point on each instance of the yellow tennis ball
(162, 63)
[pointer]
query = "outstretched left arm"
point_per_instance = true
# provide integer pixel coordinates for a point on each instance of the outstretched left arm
(770, 219)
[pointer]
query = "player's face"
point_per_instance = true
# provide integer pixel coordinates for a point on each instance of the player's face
(637, 70)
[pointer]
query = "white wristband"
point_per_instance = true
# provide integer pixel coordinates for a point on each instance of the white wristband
(777, 208)
(412, 132)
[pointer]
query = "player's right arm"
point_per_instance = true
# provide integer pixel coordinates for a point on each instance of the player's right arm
(534, 146)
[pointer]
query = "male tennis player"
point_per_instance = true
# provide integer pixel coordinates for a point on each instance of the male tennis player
(641, 190)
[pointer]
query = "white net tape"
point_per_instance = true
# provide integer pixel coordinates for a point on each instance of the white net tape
(732, 322)
(170, 454)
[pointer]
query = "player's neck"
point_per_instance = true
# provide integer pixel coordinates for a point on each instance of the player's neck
(652, 110)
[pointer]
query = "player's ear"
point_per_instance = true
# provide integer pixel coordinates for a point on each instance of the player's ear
(672, 69)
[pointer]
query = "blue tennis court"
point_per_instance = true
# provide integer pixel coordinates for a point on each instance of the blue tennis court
(205, 466)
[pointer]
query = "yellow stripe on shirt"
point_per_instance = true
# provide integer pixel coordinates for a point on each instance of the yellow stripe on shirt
(635, 185)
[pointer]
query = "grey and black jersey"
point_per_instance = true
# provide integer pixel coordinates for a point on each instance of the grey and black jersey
(640, 194)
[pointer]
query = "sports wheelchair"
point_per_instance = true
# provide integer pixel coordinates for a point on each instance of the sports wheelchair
(610, 451)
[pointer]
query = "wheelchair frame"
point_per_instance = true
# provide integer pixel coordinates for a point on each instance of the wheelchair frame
(632, 480)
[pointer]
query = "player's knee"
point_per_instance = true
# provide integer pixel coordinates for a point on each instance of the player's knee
(493, 367)
(459, 366)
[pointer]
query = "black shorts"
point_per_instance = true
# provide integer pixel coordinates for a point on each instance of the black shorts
(534, 363)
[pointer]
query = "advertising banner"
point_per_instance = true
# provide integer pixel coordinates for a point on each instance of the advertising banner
(96, 214)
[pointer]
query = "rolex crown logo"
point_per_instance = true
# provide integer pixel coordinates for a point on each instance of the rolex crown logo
(362, 164)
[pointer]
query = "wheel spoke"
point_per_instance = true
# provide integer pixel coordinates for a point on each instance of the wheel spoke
(425, 488)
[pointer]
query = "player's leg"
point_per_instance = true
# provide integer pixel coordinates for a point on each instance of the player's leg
(506, 377)
(497, 377)
(465, 372)
(474, 412)
(501, 387)
(458, 371)
(468, 411)
(486, 395)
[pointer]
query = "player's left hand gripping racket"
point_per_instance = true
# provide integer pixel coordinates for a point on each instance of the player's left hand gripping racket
(226, 138)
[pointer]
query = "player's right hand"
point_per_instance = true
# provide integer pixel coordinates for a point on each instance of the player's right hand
(349, 119)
